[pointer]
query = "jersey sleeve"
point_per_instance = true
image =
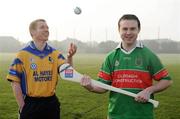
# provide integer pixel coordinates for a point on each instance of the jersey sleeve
(61, 59)
(15, 70)
(157, 69)
(104, 74)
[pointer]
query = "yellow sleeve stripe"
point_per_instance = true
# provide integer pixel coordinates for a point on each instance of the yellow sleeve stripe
(12, 78)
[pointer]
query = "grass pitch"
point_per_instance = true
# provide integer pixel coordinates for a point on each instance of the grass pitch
(78, 103)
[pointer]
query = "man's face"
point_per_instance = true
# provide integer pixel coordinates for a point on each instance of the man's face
(41, 33)
(129, 31)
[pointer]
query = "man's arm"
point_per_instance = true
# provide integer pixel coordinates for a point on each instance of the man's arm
(86, 83)
(144, 95)
(18, 94)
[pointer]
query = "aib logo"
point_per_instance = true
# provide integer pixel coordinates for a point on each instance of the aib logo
(69, 73)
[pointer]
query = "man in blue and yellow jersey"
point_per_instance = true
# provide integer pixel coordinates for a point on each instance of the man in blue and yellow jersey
(132, 67)
(34, 75)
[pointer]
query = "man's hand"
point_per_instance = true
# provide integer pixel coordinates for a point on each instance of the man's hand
(86, 82)
(21, 107)
(144, 95)
(71, 50)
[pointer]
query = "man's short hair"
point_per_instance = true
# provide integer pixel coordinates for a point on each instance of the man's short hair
(33, 24)
(129, 17)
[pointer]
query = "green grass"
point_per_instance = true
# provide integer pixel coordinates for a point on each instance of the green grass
(78, 103)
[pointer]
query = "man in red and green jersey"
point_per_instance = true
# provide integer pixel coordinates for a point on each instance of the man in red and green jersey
(132, 67)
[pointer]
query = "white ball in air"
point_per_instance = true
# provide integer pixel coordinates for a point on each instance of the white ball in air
(77, 10)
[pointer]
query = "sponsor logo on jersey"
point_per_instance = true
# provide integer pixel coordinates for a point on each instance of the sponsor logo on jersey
(116, 63)
(69, 73)
(42, 75)
(33, 66)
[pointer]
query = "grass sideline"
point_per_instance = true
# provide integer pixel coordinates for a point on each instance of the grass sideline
(77, 103)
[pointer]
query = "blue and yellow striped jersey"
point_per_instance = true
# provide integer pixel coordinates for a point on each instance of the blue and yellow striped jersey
(36, 71)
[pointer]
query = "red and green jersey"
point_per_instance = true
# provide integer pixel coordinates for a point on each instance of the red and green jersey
(133, 71)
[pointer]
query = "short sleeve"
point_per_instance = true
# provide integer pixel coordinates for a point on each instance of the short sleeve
(15, 70)
(61, 59)
(157, 69)
(104, 74)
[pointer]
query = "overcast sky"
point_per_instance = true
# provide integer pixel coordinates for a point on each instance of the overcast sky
(98, 21)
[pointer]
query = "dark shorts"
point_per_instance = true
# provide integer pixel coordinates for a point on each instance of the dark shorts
(41, 108)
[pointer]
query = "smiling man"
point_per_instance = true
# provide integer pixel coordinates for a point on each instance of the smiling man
(132, 67)
(34, 75)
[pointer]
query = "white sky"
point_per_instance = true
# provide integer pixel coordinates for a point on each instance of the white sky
(99, 18)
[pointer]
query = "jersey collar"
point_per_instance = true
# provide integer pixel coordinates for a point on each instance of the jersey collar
(138, 45)
(32, 45)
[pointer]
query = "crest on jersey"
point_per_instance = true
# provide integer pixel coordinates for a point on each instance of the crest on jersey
(138, 61)
(33, 66)
(51, 60)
